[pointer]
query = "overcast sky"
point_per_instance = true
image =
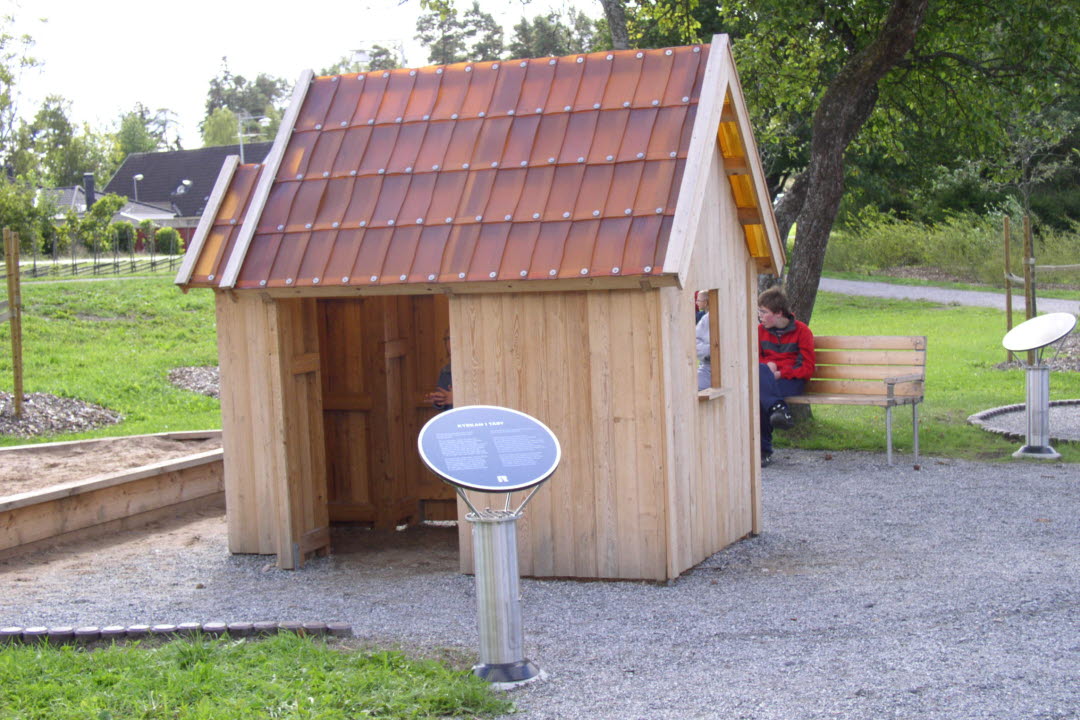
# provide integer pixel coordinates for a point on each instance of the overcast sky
(107, 55)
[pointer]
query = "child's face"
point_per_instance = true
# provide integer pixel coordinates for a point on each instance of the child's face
(769, 319)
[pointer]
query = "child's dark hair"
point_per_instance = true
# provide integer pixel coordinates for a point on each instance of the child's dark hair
(774, 300)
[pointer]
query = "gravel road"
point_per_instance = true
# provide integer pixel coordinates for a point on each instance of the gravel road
(874, 592)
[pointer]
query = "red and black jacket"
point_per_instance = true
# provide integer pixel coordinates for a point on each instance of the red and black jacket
(791, 348)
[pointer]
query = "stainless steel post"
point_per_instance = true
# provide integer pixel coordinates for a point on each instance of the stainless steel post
(1038, 415)
(498, 599)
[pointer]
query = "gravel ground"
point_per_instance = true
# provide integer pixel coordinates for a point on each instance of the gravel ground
(874, 592)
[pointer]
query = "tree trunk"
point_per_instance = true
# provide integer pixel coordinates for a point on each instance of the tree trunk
(616, 20)
(844, 109)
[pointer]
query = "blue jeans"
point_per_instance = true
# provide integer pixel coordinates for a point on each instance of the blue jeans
(771, 391)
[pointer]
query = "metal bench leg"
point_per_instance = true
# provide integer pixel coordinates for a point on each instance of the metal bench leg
(915, 428)
(888, 431)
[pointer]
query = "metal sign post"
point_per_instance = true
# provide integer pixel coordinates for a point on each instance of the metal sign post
(1031, 337)
(492, 449)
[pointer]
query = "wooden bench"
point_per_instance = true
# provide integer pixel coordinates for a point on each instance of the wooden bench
(883, 371)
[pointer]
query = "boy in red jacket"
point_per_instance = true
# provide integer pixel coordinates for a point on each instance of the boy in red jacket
(786, 357)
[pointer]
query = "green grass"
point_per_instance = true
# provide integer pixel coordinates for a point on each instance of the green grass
(281, 677)
(963, 346)
(112, 343)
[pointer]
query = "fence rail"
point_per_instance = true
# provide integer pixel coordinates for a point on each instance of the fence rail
(91, 267)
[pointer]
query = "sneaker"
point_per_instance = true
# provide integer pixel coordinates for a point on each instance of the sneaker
(766, 458)
(780, 416)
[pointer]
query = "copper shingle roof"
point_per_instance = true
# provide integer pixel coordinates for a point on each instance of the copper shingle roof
(540, 169)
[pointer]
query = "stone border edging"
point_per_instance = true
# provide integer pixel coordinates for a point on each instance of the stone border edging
(84, 635)
(980, 419)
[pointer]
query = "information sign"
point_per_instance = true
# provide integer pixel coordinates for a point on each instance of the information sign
(489, 448)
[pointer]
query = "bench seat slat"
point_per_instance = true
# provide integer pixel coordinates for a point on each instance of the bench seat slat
(863, 372)
(867, 400)
(860, 387)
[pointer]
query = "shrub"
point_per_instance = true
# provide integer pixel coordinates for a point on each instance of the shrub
(167, 240)
(123, 236)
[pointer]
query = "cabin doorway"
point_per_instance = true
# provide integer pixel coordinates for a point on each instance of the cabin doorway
(380, 357)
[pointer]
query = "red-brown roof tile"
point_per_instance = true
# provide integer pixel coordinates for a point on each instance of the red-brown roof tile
(524, 169)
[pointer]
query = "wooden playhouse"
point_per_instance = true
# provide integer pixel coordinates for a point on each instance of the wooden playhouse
(553, 217)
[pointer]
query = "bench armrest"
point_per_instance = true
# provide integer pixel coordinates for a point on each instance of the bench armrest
(892, 381)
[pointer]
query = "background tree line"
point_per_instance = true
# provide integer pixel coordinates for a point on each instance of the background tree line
(862, 109)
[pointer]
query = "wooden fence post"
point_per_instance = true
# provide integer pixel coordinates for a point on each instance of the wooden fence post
(1008, 285)
(14, 314)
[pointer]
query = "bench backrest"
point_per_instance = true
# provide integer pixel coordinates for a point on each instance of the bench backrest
(859, 364)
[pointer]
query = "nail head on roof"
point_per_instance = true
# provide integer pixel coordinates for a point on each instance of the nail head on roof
(262, 283)
(686, 98)
(307, 226)
(382, 171)
(491, 274)
(468, 68)
(495, 66)
(335, 224)
(667, 52)
(524, 163)
(397, 119)
(344, 123)
(536, 216)
(408, 169)
(454, 116)
(280, 227)
(697, 49)
(439, 71)
(430, 277)
(412, 73)
(461, 276)
(659, 211)
(551, 160)
(449, 219)
(352, 172)
(615, 270)
(596, 213)
(523, 64)
(584, 271)
(610, 57)
(345, 279)
(386, 74)
(371, 121)
(523, 273)
(647, 268)
(326, 173)
(315, 281)
(482, 114)
(581, 59)
(210, 276)
(566, 214)
(509, 112)
(596, 106)
(374, 278)
(655, 103)
(419, 221)
(628, 211)
(552, 272)
(479, 218)
(640, 155)
(359, 77)
(581, 159)
(626, 103)
(495, 163)
(363, 223)
(640, 55)
(401, 277)
(318, 126)
(672, 154)
(427, 117)
(609, 158)
(507, 217)
(434, 167)
(464, 166)
(288, 281)
(539, 110)
(299, 176)
(551, 61)
(566, 108)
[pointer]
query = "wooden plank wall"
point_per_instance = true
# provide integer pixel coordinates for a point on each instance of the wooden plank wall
(302, 492)
(381, 356)
(713, 444)
(588, 364)
(252, 437)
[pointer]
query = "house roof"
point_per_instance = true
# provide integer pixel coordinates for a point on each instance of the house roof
(73, 198)
(562, 169)
(164, 172)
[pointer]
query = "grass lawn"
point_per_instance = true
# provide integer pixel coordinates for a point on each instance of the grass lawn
(963, 346)
(281, 677)
(113, 342)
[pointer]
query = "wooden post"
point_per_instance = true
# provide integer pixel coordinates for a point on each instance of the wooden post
(14, 314)
(1008, 284)
(1029, 279)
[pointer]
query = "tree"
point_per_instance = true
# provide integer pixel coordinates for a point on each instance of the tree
(556, 34)
(14, 60)
(56, 153)
(264, 97)
(451, 39)
(144, 131)
(916, 85)
(220, 128)
(378, 57)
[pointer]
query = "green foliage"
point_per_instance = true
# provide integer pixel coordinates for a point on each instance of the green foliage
(263, 97)
(968, 246)
(452, 39)
(281, 677)
(557, 34)
(963, 347)
(25, 210)
(123, 236)
(56, 152)
(167, 241)
(144, 131)
(377, 58)
(219, 128)
(93, 226)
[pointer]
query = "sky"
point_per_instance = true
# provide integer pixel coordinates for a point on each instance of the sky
(104, 56)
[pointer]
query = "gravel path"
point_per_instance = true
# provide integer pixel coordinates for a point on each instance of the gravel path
(948, 592)
(975, 298)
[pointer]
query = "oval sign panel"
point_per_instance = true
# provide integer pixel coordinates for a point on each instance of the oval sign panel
(489, 448)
